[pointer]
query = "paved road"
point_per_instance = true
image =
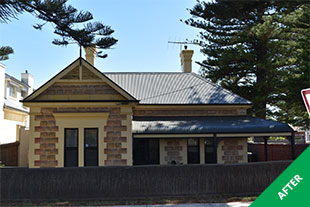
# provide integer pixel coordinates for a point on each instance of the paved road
(232, 204)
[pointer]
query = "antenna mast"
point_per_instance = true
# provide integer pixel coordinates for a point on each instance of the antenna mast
(179, 43)
(185, 43)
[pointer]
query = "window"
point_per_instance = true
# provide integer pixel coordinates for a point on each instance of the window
(145, 151)
(12, 91)
(71, 147)
(193, 154)
(210, 150)
(90, 147)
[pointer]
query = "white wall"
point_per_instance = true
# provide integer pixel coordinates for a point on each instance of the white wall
(2, 84)
(8, 131)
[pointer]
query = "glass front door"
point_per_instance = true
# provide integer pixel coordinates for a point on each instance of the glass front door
(193, 154)
(90, 147)
(210, 150)
(71, 147)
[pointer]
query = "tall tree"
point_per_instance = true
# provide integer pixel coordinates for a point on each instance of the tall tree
(246, 50)
(66, 20)
(289, 106)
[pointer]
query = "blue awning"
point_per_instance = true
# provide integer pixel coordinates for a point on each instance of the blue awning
(206, 125)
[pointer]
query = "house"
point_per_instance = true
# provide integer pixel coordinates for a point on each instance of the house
(14, 117)
(12, 113)
(85, 117)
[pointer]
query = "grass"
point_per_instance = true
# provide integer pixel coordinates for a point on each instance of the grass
(140, 201)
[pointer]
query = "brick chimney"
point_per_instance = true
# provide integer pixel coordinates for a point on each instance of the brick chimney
(186, 60)
(91, 54)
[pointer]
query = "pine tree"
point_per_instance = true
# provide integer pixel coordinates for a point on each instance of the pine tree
(72, 26)
(290, 106)
(246, 49)
(8, 9)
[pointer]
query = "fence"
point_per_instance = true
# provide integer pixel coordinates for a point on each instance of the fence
(275, 151)
(137, 181)
(9, 154)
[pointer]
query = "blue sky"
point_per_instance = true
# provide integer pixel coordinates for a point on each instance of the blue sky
(143, 28)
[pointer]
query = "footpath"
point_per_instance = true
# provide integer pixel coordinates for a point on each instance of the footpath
(231, 204)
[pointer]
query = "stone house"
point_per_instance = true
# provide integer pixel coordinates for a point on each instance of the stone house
(83, 117)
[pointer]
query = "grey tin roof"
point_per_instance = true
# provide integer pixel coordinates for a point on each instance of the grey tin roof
(174, 88)
(190, 125)
(16, 80)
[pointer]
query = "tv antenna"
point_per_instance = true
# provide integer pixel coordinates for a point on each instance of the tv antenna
(185, 43)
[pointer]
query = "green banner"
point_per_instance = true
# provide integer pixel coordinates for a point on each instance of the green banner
(291, 188)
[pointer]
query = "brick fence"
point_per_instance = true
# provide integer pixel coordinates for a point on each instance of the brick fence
(275, 151)
(125, 182)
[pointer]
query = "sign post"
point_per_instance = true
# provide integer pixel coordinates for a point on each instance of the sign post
(306, 96)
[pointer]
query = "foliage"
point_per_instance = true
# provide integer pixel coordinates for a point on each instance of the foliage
(66, 21)
(250, 48)
(290, 106)
(5, 51)
(277, 138)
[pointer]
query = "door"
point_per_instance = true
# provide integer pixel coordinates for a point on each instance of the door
(91, 147)
(71, 147)
(210, 150)
(193, 153)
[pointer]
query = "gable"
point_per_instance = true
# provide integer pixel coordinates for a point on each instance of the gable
(80, 81)
(80, 91)
(86, 74)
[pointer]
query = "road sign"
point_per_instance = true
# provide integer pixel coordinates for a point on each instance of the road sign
(306, 96)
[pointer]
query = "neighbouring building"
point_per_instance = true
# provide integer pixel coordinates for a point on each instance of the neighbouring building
(14, 117)
(85, 117)
(13, 114)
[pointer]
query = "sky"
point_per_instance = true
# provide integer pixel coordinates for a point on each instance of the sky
(142, 27)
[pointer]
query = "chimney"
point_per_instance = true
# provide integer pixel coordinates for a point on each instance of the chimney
(186, 60)
(90, 54)
(29, 80)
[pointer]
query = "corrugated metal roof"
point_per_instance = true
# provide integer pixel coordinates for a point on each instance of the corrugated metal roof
(190, 125)
(174, 88)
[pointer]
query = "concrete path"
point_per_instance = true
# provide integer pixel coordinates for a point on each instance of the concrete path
(231, 204)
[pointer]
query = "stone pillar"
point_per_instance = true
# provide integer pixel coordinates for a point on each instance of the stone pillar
(116, 151)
